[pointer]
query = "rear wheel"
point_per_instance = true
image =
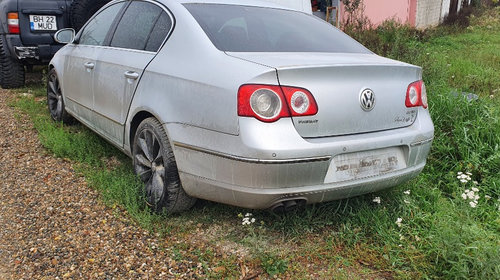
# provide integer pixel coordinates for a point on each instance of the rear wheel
(82, 10)
(55, 101)
(155, 165)
(11, 70)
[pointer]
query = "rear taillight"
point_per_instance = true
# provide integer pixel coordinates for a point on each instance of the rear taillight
(300, 101)
(416, 95)
(269, 103)
(13, 23)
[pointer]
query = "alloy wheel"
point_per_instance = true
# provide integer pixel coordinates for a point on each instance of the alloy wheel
(150, 166)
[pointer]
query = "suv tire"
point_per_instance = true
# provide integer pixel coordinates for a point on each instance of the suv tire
(82, 10)
(11, 70)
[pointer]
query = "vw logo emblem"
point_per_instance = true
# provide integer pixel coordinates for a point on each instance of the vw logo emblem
(367, 99)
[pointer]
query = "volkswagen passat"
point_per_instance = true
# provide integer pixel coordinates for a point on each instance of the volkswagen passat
(241, 102)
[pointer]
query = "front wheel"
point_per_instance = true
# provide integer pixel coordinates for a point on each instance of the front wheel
(55, 101)
(155, 165)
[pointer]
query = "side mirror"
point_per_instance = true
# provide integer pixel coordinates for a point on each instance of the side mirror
(65, 36)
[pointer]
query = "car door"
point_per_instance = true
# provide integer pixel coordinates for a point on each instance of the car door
(81, 60)
(138, 36)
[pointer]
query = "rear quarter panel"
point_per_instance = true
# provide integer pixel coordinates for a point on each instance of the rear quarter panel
(190, 82)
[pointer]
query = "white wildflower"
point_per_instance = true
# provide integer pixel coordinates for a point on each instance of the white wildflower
(399, 222)
(252, 220)
(463, 181)
(407, 192)
(476, 197)
(248, 214)
(487, 197)
(474, 189)
(473, 204)
(406, 201)
(464, 196)
(459, 173)
(475, 182)
(468, 173)
(376, 199)
(470, 195)
(401, 237)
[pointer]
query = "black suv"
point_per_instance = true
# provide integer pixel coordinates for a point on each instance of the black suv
(26, 32)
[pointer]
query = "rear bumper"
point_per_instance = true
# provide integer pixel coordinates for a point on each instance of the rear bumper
(254, 198)
(39, 54)
(269, 163)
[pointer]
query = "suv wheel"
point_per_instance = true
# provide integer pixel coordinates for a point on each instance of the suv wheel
(11, 70)
(82, 10)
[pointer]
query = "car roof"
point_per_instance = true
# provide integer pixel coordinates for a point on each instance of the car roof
(255, 3)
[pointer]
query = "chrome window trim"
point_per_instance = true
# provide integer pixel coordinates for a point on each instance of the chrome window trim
(159, 5)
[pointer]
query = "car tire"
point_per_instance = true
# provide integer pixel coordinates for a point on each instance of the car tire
(55, 102)
(82, 10)
(155, 165)
(11, 70)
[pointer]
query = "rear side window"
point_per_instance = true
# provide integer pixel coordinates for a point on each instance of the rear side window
(159, 32)
(143, 26)
(237, 28)
(96, 30)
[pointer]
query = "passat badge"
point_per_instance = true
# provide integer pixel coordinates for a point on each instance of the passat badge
(367, 99)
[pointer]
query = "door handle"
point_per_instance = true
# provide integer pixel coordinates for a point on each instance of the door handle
(89, 65)
(131, 75)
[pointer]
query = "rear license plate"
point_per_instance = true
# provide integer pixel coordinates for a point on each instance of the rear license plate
(359, 165)
(43, 23)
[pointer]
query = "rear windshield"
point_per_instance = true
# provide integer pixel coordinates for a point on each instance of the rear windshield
(236, 28)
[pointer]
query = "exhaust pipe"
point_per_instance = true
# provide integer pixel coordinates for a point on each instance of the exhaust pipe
(288, 205)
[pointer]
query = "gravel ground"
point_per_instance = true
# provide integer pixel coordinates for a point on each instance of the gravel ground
(53, 226)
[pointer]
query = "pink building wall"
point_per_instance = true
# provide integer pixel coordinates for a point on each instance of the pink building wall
(403, 11)
(378, 11)
(417, 13)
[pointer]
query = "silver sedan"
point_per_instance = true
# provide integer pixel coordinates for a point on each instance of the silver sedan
(241, 102)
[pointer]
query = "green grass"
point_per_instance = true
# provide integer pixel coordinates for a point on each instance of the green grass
(441, 235)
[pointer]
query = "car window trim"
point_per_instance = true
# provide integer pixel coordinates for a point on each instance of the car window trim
(159, 5)
(114, 25)
(152, 29)
(76, 41)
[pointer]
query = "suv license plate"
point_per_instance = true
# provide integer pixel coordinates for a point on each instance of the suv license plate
(43, 23)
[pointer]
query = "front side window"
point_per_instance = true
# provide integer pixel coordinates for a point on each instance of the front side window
(235, 28)
(94, 33)
(143, 26)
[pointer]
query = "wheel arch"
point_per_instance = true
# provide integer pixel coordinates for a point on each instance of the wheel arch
(134, 124)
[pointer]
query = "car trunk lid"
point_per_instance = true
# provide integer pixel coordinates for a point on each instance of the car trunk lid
(337, 82)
